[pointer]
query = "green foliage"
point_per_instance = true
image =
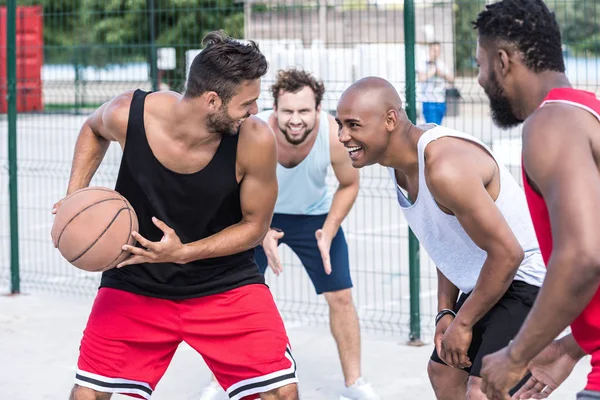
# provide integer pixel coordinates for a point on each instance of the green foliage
(465, 12)
(581, 27)
(101, 32)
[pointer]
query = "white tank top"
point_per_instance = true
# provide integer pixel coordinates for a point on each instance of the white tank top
(445, 240)
(303, 189)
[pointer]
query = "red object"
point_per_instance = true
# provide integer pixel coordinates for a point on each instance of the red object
(586, 327)
(130, 340)
(30, 58)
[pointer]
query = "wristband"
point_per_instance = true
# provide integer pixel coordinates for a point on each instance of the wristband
(442, 313)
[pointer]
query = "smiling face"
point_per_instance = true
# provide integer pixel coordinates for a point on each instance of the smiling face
(228, 119)
(502, 107)
(297, 114)
(362, 128)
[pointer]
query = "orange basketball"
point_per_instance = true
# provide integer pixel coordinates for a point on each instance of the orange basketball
(91, 226)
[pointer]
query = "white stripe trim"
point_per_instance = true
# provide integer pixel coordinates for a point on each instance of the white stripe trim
(263, 389)
(103, 389)
(263, 378)
(573, 103)
(111, 380)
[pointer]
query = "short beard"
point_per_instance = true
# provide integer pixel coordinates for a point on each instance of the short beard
(221, 123)
(501, 110)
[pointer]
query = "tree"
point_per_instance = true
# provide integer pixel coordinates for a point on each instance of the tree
(581, 26)
(465, 12)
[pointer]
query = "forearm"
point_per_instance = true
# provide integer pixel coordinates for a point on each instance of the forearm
(494, 279)
(564, 295)
(571, 347)
(89, 153)
(231, 240)
(342, 203)
(447, 293)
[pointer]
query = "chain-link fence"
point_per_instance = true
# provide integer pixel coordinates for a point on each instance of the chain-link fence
(74, 55)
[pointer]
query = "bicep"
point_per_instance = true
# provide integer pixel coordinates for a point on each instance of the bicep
(110, 120)
(258, 188)
(568, 179)
(464, 193)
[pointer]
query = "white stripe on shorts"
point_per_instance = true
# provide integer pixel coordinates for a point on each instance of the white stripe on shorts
(265, 383)
(104, 384)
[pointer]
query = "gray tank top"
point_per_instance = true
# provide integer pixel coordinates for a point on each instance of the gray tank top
(445, 240)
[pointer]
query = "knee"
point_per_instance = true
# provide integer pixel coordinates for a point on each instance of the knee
(445, 379)
(340, 298)
(474, 389)
(287, 392)
(83, 393)
(436, 374)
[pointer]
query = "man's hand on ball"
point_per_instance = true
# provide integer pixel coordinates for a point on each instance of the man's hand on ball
(169, 249)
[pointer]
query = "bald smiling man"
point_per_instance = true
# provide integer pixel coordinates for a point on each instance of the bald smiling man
(471, 216)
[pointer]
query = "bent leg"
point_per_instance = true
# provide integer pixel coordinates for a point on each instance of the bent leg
(127, 345)
(83, 393)
(287, 392)
(241, 336)
(448, 383)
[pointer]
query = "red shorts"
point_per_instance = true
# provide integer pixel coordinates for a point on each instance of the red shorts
(130, 340)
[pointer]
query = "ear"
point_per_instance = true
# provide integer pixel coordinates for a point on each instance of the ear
(505, 62)
(212, 101)
(391, 120)
(319, 108)
(274, 107)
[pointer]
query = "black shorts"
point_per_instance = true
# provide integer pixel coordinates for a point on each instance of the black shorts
(499, 326)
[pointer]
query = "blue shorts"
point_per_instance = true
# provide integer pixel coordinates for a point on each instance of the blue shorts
(299, 235)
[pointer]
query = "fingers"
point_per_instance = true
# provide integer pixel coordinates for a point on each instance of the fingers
(326, 261)
(278, 235)
(527, 389)
(438, 345)
(133, 260)
(463, 360)
(137, 251)
(143, 241)
(162, 226)
(273, 260)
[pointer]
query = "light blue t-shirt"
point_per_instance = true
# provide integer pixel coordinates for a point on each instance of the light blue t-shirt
(303, 188)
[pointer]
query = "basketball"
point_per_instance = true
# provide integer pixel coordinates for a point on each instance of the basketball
(91, 226)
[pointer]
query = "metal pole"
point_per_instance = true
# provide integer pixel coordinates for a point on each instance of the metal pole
(11, 69)
(247, 19)
(153, 55)
(411, 110)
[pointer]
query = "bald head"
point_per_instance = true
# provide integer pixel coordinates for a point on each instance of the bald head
(372, 92)
(369, 113)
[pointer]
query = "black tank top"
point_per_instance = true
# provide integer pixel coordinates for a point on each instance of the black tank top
(195, 205)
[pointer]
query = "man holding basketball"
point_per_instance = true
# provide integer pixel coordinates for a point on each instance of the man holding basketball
(308, 217)
(468, 212)
(200, 172)
(522, 70)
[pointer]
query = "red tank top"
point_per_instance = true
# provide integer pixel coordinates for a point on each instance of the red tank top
(586, 327)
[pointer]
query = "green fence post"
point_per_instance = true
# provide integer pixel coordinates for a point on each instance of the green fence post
(411, 111)
(11, 72)
(153, 55)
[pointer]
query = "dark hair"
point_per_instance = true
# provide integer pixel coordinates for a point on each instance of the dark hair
(528, 25)
(223, 65)
(294, 80)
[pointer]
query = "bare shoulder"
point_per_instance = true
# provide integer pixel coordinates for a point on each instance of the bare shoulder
(556, 123)
(455, 165)
(115, 115)
(257, 145)
(256, 132)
